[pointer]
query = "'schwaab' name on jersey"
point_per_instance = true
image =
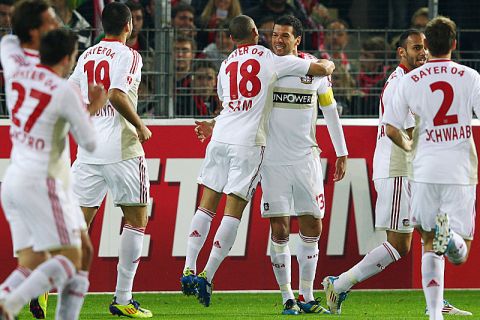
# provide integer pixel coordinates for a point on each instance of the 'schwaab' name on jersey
(294, 98)
(449, 133)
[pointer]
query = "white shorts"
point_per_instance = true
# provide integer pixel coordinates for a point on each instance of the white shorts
(231, 169)
(41, 213)
(127, 180)
(290, 190)
(457, 201)
(392, 211)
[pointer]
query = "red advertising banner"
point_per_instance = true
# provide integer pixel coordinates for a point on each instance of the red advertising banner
(174, 157)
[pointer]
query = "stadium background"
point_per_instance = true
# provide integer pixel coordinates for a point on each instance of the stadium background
(174, 156)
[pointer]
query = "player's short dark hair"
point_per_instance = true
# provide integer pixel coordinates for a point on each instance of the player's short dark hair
(115, 16)
(241, 27)
(440, 32)
(289, 20)
(180, 7)
(56, 45)
(402, 41)
(27, 15)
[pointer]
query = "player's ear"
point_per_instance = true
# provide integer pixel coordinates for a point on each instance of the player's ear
(401, 52)
(454, 44)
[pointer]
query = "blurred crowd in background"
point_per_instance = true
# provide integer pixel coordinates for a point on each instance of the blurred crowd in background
(359, 35)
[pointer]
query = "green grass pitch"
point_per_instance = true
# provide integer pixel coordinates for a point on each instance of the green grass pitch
(359, 305)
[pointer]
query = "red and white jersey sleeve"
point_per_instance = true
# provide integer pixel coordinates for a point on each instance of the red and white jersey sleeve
(442, 95)
(389, 160)
(42, 105)
(245, 86)
(13, 56)
(115, 66)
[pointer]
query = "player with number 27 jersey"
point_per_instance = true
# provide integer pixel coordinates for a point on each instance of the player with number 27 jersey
(116, 66)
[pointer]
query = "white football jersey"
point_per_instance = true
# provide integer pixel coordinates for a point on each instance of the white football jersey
(245, 85)
(292, 127)
(442, 95)
(116, 66)
(42, 106)
(13, 56)
(389, 160)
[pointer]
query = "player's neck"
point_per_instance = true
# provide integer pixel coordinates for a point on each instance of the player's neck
(121, 38)
(32, 45)
(58, 69)
(447, 56)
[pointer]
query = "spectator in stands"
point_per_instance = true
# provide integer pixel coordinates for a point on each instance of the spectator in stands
(72, 19)
(219, 50)
(374, 56)
(265, 29)
(201, 99)
(184, 48)
(149, 21)
(183, 17)
(274, 8)
(216, 12)
(6, 9)
(420, 19)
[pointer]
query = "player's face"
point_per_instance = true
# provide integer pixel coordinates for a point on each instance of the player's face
(415, 53)
(284, 41)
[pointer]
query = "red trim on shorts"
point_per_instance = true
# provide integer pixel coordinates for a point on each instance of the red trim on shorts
(250, 187)
(57, 212)
(143, 176)
(129, 227)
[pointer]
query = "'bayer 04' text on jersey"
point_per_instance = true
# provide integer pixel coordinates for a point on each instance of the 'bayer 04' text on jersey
(389, 160)
(42, 107)
(442, 95)
(245, 85)
(115, 66)
(293, 121)
(13, 56)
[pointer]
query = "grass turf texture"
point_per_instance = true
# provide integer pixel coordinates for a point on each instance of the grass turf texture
(359, 305)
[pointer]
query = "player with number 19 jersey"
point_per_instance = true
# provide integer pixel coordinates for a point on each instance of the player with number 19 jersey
(116, 66)
(442, 95)
(245, 86)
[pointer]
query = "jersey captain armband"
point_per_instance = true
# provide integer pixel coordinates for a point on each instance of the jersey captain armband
(326, 99)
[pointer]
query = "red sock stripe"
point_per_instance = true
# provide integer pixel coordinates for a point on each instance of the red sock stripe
(25, 271)
(308, 239)
(207, 212)
(143, 176)
(390, 252)
(129, 227)
(66, 265)
(280, 240)
(57, 212)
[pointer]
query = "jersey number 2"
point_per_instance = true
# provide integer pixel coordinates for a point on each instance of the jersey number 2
(248, 76)
(441, 117)
(43, 100)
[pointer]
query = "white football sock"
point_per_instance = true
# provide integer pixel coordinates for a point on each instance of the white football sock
(457, 249)
(222, 243)
(282, 265)
(71, 297)
(130, 251)
(53, 273)
(199, 228)
(374, 262)
(14, 280)
(432, 283)
(307, 257)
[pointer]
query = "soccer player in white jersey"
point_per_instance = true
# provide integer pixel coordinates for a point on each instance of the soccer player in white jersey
(119, 161)
(292, 179)
(235, 153)
(37, 198)
(31, 19)
(443, 95)
(392, 213)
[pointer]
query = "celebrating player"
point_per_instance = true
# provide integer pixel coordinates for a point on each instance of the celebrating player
(118, 163)
(442, 95)
(392, 213)
(235, 153)
(292, 174)
(42, 105)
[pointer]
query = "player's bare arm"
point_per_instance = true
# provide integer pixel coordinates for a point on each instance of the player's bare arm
(321, 68)
(97, 97)
(204, 129)
(399, 138)
(121, 103)
(340, 167)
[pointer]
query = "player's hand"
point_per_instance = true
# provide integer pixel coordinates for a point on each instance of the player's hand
(340, 167)
(144, 133)
(203, 129)
(328, 66)
(97, 96)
